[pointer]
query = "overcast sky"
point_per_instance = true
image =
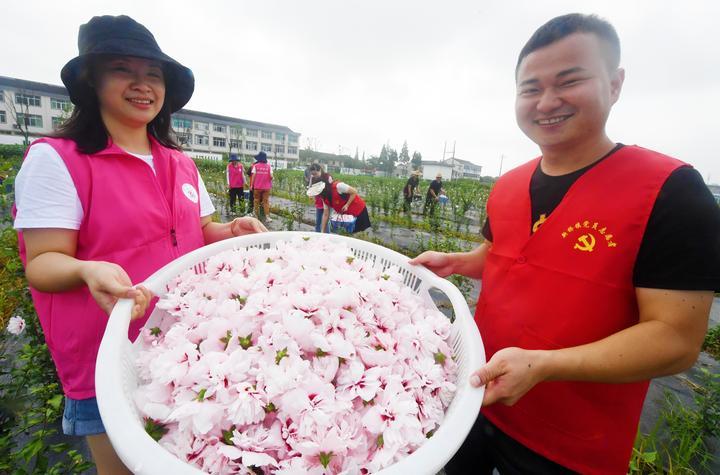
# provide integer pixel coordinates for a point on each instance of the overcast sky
(359, 74)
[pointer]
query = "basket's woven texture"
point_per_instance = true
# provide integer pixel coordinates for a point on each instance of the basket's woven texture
(116, 377)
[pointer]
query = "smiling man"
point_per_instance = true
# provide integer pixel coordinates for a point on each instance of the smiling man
(598, 270)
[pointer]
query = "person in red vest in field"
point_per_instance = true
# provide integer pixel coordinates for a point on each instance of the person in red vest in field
(236, 181)
(261, 177)
(598, 270)
(107, 201)
(343, 199)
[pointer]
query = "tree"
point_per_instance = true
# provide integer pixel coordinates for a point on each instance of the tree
(404, 155)
(311, 143)
(391, 160)
(19, 110)
(416, 161)
(382, 158)
(236, 135)
(373, 162)
(184, 137)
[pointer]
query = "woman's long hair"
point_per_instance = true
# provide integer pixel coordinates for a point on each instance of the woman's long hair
(86, 128)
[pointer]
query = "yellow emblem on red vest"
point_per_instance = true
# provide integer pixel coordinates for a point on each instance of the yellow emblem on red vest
(587, 241)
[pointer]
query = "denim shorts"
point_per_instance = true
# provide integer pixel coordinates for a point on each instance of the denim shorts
(82, 417)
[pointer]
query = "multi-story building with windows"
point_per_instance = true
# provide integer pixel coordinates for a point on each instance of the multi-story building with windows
(30, 106)
(42, 107)
(451, 169)
(204, 132)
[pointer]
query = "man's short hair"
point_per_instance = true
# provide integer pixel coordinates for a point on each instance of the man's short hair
(565, 25)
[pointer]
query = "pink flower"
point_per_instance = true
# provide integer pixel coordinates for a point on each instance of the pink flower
(300, 359)
(16, 325)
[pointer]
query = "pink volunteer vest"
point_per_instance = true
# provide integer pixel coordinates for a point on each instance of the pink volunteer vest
(568, 284)
(262, 180)
(236, 177)
(133, 217)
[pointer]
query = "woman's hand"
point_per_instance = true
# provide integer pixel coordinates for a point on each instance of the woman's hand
(246, 225)
(345, 207)
(109, 282)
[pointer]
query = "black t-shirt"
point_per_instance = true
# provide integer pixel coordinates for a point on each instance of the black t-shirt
(410, 185)
(435, 185)
(681, 246)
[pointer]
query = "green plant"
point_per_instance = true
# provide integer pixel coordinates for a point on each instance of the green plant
(680, 440)
(712, 342)
(30, 394)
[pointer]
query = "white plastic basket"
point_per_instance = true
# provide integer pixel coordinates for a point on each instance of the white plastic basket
(116, 376)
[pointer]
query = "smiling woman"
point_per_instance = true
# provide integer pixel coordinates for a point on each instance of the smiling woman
(106, 202)
(131, 91)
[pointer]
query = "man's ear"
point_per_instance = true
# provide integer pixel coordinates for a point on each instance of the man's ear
(617, 79)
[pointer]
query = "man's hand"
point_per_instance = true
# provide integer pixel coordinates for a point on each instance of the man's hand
(509, 375)
(438, 262)
(246, 225)
(109, 282)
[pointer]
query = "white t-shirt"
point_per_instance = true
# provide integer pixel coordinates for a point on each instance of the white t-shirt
(342, 188)
(46, 197)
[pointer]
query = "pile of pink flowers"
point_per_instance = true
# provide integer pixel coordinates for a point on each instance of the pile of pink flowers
(298, 359)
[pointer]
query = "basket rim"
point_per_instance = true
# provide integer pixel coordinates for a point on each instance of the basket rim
(130, 439)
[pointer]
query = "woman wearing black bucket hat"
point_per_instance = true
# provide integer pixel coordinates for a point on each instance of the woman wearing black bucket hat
(106, 202)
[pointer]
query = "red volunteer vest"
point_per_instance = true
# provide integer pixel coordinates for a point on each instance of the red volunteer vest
(236, 177)
(568, 284)
(355, 208)
(133, 217)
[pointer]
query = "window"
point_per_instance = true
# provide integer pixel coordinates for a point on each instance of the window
(181, 124)
(293, 138)
(201, 140)
(235, 143)
(252, 132)
(202, 126)
(236, 131)
(251, 145)
(266, 147)
(30, 120)
(57, 122)
(279, 136)
(183, 138)
(218, 142)
(3, 117)
(266, 135)
(2, 95)
(59, 104)
(279, 148)
(292, 150)
(219, 128)
(27, 99)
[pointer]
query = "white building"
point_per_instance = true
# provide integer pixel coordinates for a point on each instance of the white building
(42, 107)
(431, 169)
(465, 169)
(204, 132)
(451, 169)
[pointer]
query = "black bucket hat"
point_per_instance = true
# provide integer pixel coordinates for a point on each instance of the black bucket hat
(123, 36)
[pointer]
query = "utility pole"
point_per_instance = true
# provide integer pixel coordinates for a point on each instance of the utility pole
(501, 163)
